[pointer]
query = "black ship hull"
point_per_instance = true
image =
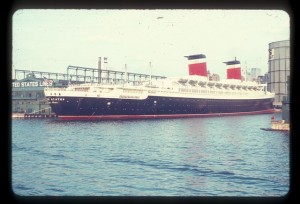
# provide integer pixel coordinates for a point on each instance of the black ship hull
(88, 108)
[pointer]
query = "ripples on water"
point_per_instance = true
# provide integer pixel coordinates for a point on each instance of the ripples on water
(218, 156)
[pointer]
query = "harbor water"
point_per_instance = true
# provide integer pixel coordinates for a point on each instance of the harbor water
(213, 156)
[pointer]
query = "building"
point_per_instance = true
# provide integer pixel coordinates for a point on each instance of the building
(255, 72)
(213, 77)
(28, 95)
(263, 79)
(279, 69)
(246, 76)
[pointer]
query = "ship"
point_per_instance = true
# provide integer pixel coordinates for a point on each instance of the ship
(193, 95)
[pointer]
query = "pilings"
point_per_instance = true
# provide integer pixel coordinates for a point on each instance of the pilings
(32, 115)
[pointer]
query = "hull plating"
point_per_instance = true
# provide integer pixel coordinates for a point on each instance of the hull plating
(72, 108)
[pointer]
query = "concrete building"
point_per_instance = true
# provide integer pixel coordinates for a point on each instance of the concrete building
(253, 75)
(263, 79)
(279, 69)
(255, 72)
(28, 95)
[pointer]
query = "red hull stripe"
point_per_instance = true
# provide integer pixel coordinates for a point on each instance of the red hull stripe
(113, 117)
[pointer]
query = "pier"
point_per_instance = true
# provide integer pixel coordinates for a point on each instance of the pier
(32, 115)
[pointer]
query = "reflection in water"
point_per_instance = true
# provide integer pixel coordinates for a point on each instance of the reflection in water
(224, 156)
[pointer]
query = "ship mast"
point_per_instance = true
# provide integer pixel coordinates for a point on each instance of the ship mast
(246, 71)
(150, 67)
(126, 77)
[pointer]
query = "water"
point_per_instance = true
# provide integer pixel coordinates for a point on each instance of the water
(216, 156)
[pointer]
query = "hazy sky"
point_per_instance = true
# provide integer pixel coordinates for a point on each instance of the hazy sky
(51, 40)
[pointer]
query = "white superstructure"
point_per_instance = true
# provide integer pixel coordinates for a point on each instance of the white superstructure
(183, 87)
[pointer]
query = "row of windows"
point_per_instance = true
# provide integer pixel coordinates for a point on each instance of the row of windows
(183, 110)
(18, 94)
(30, 102)
(132, 91)
(165, 101)
(175, 102)
(236, 92)
(29, 110)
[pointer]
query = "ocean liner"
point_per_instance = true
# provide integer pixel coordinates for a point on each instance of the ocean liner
(173, 97)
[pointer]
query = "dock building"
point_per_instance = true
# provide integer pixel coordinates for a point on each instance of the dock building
(28, 95)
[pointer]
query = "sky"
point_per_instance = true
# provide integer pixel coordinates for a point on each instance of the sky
(50, 40)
